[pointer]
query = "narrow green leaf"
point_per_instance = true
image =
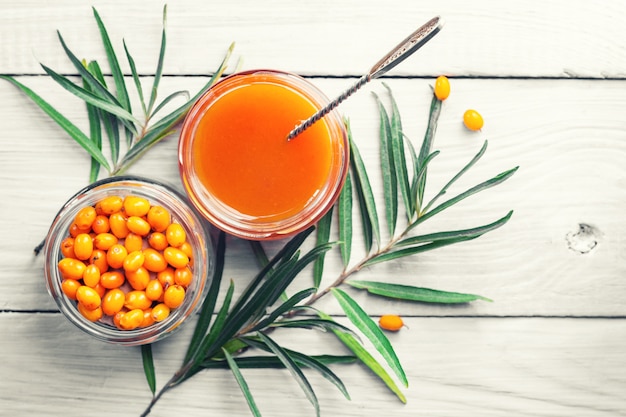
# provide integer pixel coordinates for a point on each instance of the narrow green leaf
(410, 293)
(454, 234)
(399, 158)
(169, 98)
(243, 385)
(284, 308)
(92, 99)
(218, 324)
(159, 68)
(425, 150)
(364, 191)
(414, 250)
(95, 133)
(165, 125)
(272, 362)
(111, 125)
(498, 179)
(208, 305)
(370, 329)
(318, 324)
(75, 133)
(323, 236)
(133, 70)
(368, 360)
(294, 369)
(344, 209)
(116, 71)
(466, 168)
(388, 169)
(259, 253)
(313, 363)
(148, 366)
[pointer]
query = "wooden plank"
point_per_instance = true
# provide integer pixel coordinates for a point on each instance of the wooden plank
(455, 366)
(569, 137)
(481, 38)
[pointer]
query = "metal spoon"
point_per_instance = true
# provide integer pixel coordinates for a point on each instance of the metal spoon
(398, 54)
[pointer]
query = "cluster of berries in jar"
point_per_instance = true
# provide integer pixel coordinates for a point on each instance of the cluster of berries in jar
(126, 262)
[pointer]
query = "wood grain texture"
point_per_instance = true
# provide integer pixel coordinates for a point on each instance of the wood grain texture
(481, 38)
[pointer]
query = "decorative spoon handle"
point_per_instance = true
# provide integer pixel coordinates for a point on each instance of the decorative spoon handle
(398, 54)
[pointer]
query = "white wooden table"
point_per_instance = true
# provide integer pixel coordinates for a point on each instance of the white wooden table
(549, 78)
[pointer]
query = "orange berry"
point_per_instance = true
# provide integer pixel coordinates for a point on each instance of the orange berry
(154, 290)
(69, 287)
(116, 255)
(85, 218)
(166, 277)
(111, 204)
(147, 318)
(133, 261)
(183, 276)
(99, 258)
(159, 218)
(88, 297)
(131, 319)
(101, 224)
(133, 242)
(174, 296)
(91, 315)
(112, 279)
(91, 276)
(442, 87)
(117, 222)
(158, 241)
(100, 289)
(74, 230)
(72, 268)
(154, 260)
(83, 246)
(175, 234)
(187, 249)
(113, 301)
(138, 225)
(136, 206)
(137, 299)
(160, 312)
(390, 322)
(473, 120)
(175, 257)
(104, 241)
(139, 278)
(67, 247)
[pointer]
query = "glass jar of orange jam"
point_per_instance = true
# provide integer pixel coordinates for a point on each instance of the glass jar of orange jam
(240, 171)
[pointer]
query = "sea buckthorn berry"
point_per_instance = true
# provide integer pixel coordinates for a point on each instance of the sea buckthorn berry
(85, 218)
(72, 268)
(166, 277)
(139, 278)
(112, 279)
(147, 318)
(111, 204)
(69, 287)
(104, 241)
(133, 261)
(116, 255)
(183, 276)
(83, 246)
(88, 297)
(101, 224)
(473, 120)
(74, 230)
(67, 247)
(160, 312)
(117, 222)
(133, 242)
(159, 218)
(391, 322)
(154, 290)
(154, 260)
(100, 289)
(91, 276)
(158, 241)
(442, 87)
(131, 319)
(113, 301)
(175, 235)
(175, 257)
(138, 225)
(174, 296)
(136, 206)
(91, 315)
(118, 316)
(137, 299)
(99, 258)
(187, 249)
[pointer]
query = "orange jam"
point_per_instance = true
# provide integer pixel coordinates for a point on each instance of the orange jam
(240, 170)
